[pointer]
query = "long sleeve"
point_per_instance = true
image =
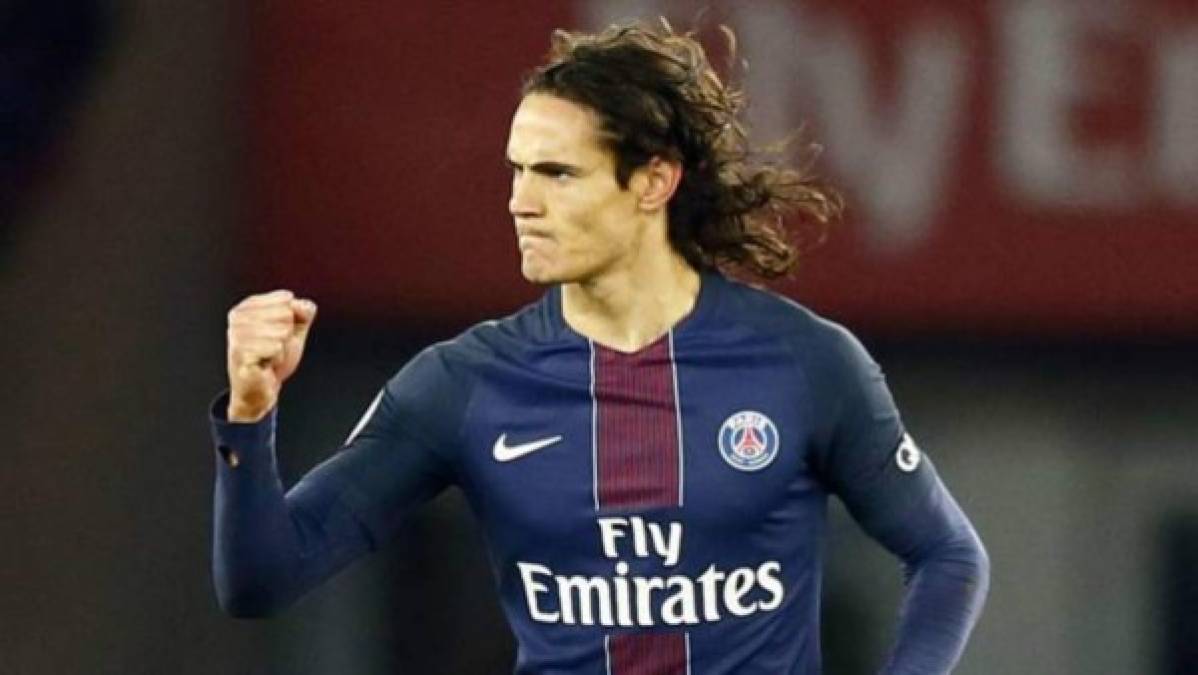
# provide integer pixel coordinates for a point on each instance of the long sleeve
(893, 491)
(948, 576)
(270, 546)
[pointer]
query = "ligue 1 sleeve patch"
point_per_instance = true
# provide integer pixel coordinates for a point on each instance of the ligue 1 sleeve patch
(907, 456)
(748, 441)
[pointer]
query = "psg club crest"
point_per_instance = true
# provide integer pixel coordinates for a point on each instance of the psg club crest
(748, 441)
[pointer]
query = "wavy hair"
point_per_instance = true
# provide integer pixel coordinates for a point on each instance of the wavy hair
(656, 94)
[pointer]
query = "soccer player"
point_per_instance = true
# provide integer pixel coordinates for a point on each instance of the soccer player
(649, 448)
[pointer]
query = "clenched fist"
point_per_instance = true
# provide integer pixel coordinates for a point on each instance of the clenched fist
(266, 341)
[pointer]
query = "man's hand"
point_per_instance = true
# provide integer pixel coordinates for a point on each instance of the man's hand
(266, 341)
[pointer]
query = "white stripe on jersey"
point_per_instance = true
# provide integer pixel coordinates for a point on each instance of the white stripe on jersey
(594, 434)
(677, 414)
(365, 417)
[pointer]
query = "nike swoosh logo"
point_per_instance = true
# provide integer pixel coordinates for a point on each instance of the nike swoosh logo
(506, 453)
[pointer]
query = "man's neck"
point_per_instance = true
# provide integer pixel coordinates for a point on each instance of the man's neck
(629, 309)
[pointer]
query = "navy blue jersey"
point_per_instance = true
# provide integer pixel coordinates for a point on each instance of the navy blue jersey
(661, 511)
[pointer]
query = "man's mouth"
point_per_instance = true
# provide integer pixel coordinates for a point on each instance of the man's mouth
(522, 232)
(529, 236)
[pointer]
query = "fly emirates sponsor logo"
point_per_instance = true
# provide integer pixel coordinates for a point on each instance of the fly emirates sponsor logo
(637, 601)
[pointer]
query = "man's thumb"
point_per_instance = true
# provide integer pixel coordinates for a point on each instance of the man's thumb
(305, 313)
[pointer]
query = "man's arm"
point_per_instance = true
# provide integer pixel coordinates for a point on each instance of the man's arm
(947, 570)
(894, 493)
(269, 547)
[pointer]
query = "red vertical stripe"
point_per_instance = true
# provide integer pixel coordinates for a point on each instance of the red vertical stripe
(648, 654)
(637, 432)
(636, 451)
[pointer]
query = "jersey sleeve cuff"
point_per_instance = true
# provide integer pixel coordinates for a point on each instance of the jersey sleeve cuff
(239, 442)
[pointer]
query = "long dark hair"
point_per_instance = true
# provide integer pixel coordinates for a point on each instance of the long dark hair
(656, 94)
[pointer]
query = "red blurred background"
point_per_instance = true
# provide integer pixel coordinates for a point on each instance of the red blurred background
(1018, 168)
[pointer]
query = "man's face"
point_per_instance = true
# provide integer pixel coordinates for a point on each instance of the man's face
(573, 222)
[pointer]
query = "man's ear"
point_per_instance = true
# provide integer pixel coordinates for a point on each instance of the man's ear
(656, 182)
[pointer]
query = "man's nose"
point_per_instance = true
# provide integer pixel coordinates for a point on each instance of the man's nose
(524, 202)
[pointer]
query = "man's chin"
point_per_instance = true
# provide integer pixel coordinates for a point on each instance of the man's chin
(542, 277)
(538, 277)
